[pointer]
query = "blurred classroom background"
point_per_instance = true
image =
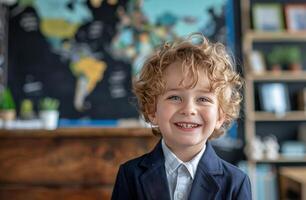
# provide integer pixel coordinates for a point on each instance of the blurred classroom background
(68, 118)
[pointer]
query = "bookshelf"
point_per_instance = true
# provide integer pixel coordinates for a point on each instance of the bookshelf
(255, 115)
(250, 37)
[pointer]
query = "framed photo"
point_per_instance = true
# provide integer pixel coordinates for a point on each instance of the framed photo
(257, 62)
(274, 97)
(296, 17)
(268, 17)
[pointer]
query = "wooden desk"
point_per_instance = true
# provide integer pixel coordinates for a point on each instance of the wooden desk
(293, 179)
(78, 163)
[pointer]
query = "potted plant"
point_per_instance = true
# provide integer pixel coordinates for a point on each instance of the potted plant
(48, 112)
(26, 109)
(293, 58)
(285, 57)
(7, 105)
(275, 59)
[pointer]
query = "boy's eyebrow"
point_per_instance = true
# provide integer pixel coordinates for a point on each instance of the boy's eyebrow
(172, 89)
(204, 91)
(178, 89)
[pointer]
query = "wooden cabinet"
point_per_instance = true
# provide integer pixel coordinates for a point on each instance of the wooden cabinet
(67, 163)
(293, 182)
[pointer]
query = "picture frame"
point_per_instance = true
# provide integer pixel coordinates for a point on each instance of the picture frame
(295, 17)
(268, 17)
(257, 62)
(274, 97)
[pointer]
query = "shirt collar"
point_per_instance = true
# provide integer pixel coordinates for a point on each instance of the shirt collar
(172, 162)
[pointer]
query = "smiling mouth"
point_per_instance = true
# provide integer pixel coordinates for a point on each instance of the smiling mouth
(186, 125)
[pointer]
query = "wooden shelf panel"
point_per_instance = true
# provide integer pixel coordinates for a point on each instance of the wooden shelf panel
(283, 76)
(77, 132)
(275, 36)
(282, 159)
(288, 116)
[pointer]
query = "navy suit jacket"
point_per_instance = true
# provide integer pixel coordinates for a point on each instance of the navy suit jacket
(145, 178)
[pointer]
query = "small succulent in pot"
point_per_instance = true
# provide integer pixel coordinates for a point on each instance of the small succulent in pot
(26, 109)
(7, 105)
(48, 103)
(48, 112)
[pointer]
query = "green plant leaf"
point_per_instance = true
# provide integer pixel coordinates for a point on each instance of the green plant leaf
(6, 100)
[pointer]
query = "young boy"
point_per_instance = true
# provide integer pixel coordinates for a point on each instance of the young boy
(189, 92)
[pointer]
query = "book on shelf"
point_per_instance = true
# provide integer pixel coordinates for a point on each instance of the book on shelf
(302, 133)
(264, 180)
(302, 99)
(274, 97)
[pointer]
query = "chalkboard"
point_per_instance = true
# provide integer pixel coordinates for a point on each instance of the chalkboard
(3, 46)
(85, 53)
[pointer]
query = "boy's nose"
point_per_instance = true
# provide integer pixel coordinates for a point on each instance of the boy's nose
(188, 109)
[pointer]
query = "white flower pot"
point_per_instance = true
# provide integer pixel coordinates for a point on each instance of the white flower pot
(49, 119)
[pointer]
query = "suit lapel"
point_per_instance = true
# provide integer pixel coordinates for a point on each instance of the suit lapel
(205, 185)
(154, 179)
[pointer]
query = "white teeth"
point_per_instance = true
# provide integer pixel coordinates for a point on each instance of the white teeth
(187, 125)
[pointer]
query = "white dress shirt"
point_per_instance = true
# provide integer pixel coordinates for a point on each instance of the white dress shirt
(180, 175)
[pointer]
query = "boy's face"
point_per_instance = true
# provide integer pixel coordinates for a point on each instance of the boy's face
(186, 117)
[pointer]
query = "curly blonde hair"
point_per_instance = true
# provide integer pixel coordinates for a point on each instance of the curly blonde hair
(197, 55)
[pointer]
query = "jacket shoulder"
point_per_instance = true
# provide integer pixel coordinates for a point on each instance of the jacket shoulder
(155, 157)
(233, 171)
(134, 161)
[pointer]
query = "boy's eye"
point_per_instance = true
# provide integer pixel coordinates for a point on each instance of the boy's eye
(175, 98)
(204, 99)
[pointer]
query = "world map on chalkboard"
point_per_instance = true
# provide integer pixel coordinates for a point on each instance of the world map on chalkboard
(86, 52)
